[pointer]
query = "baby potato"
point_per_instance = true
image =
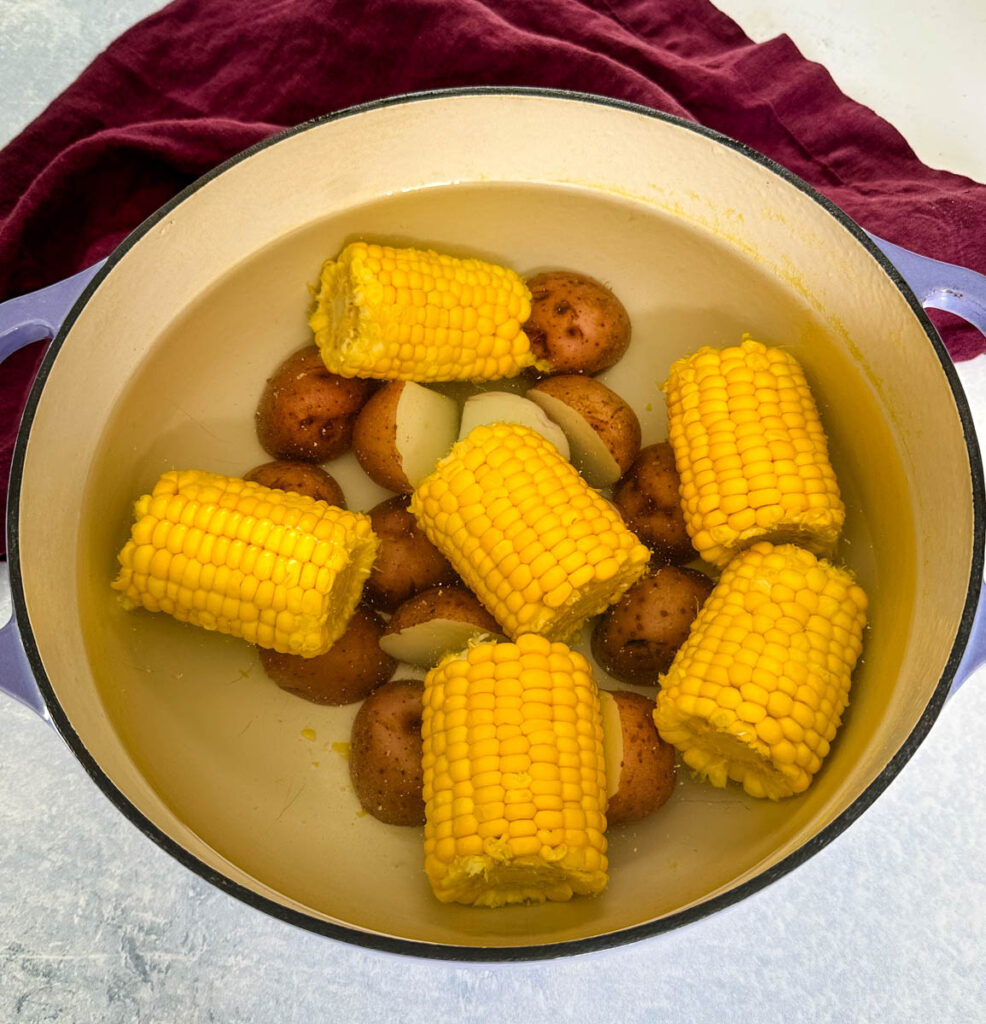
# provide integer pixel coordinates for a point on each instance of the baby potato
(435, 622)
(637, 638)
(640, 766)
(306, 413)
(507, 407)
(301, 478)
(577, 324)
(407, 562)
(647, 498)
(603, 431)
(385, 753)
(350, 669)
(402, 432)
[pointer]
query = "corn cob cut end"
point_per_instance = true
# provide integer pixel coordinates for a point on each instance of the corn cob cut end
(334, 321)
(751, 452)
(280, 570)
(817, 534)
(719, 757)
(756, 693)
(514, 775)
(539, 547)
(496, 879)
(409, 314)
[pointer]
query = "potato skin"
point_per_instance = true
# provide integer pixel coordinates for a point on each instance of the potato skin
(350, 669)
(375, 439)
(577, 324)
(306, 413)
(637, 638)
(647, 498)
(301, 478)
(602, 408)
(647, 775)
(455, 602)
(385, 753)
(407, 562)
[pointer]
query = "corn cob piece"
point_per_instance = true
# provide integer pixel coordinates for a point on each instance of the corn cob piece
(278, 569)
(407, 314)
(541, 549)
(756, 692)
(514, 775)
(751, 452)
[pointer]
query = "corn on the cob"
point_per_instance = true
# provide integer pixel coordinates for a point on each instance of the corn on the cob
(751, 452)
(514, 775)
(407, 314)
(539, 547)
(280, 570)
(756, 692)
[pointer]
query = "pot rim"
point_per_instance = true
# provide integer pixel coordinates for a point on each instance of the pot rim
(574, 947)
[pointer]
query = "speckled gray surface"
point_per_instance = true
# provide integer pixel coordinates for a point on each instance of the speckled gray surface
(888, 924)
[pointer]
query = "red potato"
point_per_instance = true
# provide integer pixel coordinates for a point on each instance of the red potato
(299, 478)
(385, 753)
(435, 622)
(349, 670)
(640, 766)
(306, 413)
(647, 498)
(637, 638)
(506, 407)
(402, 431)
(407, 562)
(603, 431)
(577, 324)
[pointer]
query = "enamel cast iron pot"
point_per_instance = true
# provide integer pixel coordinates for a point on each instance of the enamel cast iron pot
(159, 357)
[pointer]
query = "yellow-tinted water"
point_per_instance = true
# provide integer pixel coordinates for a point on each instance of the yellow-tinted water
(235, 757)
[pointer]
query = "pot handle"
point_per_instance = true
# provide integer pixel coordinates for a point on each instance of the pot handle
(940, 285)
(39, 315)
(975, 648)
(23, 321)
(16, 677)
(963, 292)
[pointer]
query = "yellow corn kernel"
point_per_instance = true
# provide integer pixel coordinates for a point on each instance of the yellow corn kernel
(408, 314)
(255, 586)
(520, 834)
(768, 723)
(750, 452)
(498, 545)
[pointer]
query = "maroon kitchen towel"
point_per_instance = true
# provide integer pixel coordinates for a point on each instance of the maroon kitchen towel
(203, 79)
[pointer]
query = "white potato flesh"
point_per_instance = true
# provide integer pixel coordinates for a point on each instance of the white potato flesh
(589, 452)
(506, 407)
(424, 643)
(426, 426)
(612, 742)
(405, 670)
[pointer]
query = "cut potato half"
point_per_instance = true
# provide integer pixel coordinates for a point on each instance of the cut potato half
(603, 431)
(436, 622)
(612, 742)
(425, 643)
(402, 432)
(640, 766)
(506, 407)
(427, 426)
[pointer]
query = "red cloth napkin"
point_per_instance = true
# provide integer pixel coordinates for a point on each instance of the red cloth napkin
(203, 79)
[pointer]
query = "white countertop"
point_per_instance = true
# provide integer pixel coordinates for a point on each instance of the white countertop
(887, 924)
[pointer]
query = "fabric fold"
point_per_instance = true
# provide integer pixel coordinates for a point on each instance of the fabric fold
(201, 80)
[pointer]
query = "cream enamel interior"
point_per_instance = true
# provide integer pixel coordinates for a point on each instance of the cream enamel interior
(163, 368)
